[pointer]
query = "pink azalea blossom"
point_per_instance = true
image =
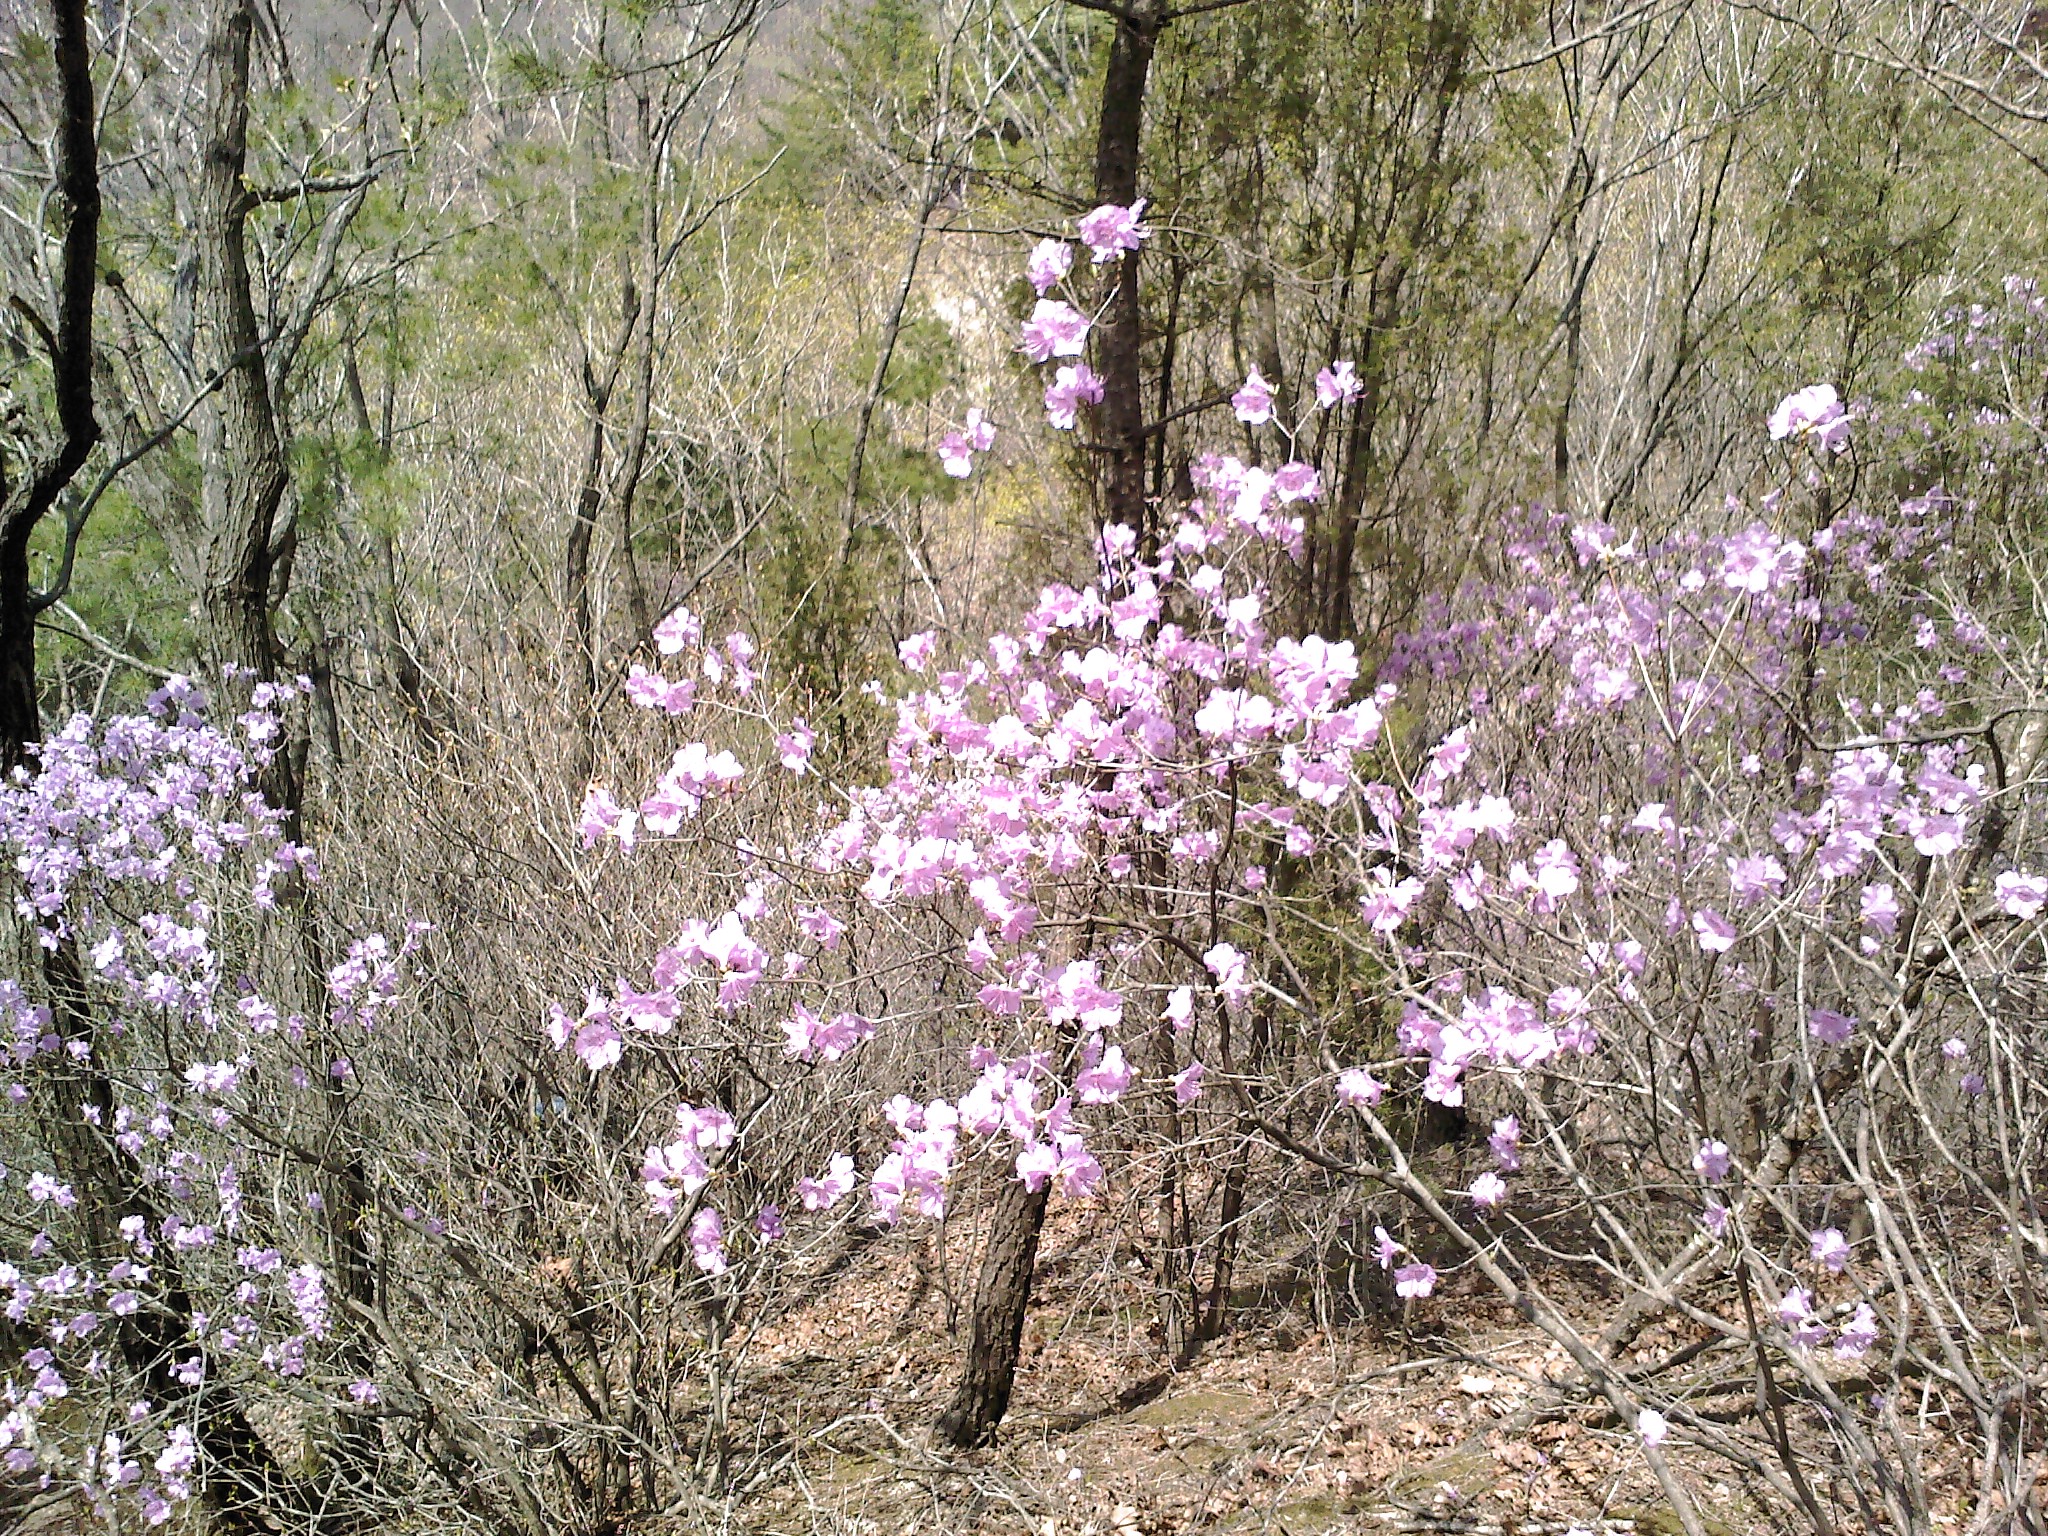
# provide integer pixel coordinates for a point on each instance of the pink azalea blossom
(1712, 1161)
(1227, 965)
(677, 632)
(979, 431)
(1071, 388)
(955, 457)
(1254, 402)
(1758, 561)
(1880, 909)
(1358, 1088)
(1412, 1282)
(1337, 384)
(1652, 1428)
(1106, 1081)
(793, 747)
(1830, 1027)
(1384, 1248)
(1049, 263)
(1506, 1143)
(1112, 229)
(2021, 896)
(1832, 1249)
(707, 1242)
(1054, 330)
(1716, 934)
(1857, 1335)
(821, 1194)
(1815, 411)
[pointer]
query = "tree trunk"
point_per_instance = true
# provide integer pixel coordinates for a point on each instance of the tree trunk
(75, 208)
(241, 460)
(1002, 1295)
(1119, 338)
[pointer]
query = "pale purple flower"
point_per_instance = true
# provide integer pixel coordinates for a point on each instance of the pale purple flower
(1814, 411)
(1384, 1248)
(1337, 384)
(2022, 896)
(1757, 560)
(1050, 261)
(822, 1194)
(1358, 1088)
(1187, 1083)
(1712, 1161)
(1506, 1143)
(1072, 387)
(1830, 1027)
(955, 457)
(707, 1242)
(1489, 1189)
(1796, 1307)
(1054, 330)
(1227, 965)
(1113, 229)
(1254, 402)
(1716, 934)
(1651, 1427)
(1106, 1081)
(793, 747)
(1298, 482)
(41, 1187)
(678, 631)
(1880, 909)
(979, 431)
(1857, 1334)
(1412, 1282)
(1831, 1248)
(769, 1223)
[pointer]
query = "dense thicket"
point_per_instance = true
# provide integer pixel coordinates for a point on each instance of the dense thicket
(401, 407)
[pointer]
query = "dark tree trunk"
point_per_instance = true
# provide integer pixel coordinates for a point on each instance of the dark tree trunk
(242, 466)
(1002, 1295)
(1119, 338)
(75, 209)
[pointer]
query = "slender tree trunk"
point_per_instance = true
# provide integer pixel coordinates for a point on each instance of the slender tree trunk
(597, 395)
(1119, 338)
(1002, 1295)
(397, 670)
(242, 466)
(1170, 1274)
(75, 209)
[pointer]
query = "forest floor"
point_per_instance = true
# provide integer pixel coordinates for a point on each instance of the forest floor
(1416, 1417)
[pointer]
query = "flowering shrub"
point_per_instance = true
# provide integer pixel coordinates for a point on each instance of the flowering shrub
(164, 1255)
(1700, 861)
(1701, 870)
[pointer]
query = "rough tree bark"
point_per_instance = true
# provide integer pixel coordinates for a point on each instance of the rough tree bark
(1002, 1295)
(242, 464)
(1120, 335)
(75, 210)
